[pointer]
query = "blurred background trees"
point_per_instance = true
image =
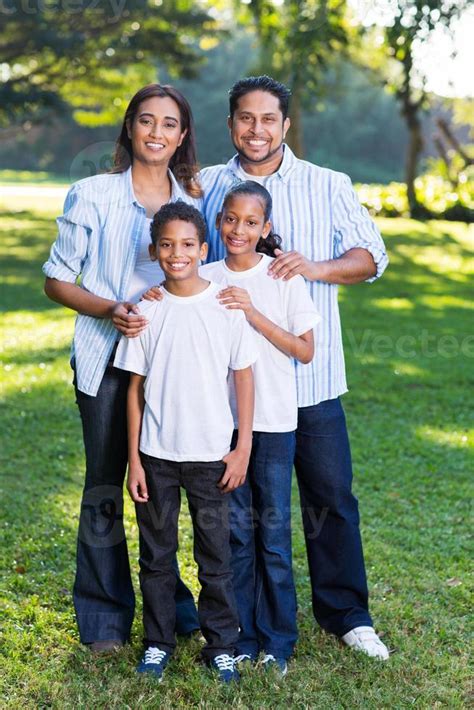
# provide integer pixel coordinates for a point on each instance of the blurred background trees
(361, 101)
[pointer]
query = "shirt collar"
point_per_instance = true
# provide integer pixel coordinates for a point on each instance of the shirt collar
(288, 164)
(177, 191)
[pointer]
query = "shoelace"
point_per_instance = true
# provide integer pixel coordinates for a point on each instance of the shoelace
(224, 662)
(242, 657)
(269, 658)
(154, 655)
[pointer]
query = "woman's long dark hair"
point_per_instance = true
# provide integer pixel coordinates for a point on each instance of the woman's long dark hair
(272, 241)
(183, 164)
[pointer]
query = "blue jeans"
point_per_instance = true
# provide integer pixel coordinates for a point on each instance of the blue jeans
(331, 518)
(103, 593)
(260, 513)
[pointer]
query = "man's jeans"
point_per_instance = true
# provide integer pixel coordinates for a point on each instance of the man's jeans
(261, 548)
(103, 593)
(331, 518)
(158, 524)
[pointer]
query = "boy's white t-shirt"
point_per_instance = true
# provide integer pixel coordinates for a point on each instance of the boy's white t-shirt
(289, 305)
(185, 353)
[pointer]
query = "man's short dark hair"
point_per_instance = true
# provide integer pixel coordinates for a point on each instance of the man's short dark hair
(259, 83)
(181, 211)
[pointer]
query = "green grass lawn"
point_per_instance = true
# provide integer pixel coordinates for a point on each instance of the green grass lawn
(410, 361)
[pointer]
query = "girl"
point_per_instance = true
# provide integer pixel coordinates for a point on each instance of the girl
(103, 238)
(283, 315)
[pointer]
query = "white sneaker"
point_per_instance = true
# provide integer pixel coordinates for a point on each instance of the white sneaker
(364, 638)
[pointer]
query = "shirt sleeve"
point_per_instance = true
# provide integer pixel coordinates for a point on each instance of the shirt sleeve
(131, 355)
(244, 348)
(301, 312)
(355, 228)
(75, 226)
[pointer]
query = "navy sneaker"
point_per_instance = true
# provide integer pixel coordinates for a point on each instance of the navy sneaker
(154, 661)
(271, 662)
(245, 661)
(225, 667)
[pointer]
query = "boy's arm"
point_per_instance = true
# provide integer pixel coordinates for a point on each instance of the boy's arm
(136, 480)
(237, 460)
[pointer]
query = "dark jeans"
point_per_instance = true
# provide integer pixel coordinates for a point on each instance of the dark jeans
(261, 548)
(103, 593)
(158, 524)
(331, 518)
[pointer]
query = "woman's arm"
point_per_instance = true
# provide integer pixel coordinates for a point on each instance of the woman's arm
(136, 480)
(125, 316)
(237, 461)
(300, 347)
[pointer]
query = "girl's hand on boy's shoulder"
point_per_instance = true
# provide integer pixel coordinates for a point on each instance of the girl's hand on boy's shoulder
(235, 297)
(153, 294)
(236, 470)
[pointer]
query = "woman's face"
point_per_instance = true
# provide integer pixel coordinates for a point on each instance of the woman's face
(156, 131)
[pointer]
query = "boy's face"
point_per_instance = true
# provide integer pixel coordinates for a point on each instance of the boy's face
(178, 250)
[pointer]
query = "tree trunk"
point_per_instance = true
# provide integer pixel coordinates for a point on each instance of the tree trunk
(415, 145)
(294, 136)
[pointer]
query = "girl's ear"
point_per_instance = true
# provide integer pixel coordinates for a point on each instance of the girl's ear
(267, 228)
(218, 220)
(203, 251)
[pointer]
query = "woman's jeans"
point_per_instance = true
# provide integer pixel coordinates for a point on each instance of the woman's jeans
(261, 548)
(103, 594)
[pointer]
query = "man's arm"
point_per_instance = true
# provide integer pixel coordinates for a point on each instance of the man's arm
(136, 480)
(354, 266)
(237, 460)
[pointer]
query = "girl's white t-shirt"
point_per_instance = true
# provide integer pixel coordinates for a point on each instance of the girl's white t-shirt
(185, 353)
(290, 306)
(147, 273)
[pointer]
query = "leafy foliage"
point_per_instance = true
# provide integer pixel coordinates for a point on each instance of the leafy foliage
(89, 55)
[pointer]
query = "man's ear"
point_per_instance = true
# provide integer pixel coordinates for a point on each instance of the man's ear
(229, 122)
(182, 136)
(203, 251)
(286, 126)
(152, 252)
(218, 220)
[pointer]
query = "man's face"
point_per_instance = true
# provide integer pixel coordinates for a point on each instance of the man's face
(257, 127)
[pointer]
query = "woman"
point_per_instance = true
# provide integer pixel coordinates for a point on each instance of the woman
(103, 238)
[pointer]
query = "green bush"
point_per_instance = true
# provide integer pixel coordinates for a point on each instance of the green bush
(437, 196)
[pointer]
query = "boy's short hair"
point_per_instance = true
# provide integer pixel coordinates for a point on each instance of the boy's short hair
(259, 83)
(177, 211)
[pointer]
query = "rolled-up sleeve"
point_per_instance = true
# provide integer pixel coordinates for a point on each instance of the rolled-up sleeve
(353, 227)
(69, 251)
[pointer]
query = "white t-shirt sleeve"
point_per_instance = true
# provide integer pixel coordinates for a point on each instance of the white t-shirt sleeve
(301, 312)
(244, 348)
(131, 352)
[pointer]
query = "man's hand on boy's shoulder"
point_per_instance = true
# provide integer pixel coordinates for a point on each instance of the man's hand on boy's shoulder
(136, 483)
(236, 462)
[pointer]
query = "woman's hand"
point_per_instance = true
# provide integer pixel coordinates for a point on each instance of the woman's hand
(153, 294)
(127, 319)
(235, 297)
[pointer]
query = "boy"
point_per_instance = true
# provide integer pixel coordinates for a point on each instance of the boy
(180, 427)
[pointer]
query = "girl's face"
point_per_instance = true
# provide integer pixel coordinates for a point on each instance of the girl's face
(241, 224)
(156, 131)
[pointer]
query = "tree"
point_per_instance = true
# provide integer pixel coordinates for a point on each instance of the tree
(299, 38)
(88, 54)
(411, 23)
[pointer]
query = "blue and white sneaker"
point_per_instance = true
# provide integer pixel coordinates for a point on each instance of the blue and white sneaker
(245, 660)
(154, 661)
(271, 662)
(225, 667)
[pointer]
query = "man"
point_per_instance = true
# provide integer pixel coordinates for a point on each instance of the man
(330, 239)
